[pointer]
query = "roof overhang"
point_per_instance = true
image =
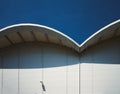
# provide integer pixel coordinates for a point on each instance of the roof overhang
(107, 32)
(21, 33)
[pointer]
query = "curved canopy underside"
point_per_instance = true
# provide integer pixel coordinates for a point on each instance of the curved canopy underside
(22, 33)
(107, 32)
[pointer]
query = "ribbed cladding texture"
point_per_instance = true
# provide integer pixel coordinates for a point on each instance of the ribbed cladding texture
(21, 70)
(100, 68)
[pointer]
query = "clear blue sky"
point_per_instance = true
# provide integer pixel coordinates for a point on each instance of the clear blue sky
(76, 18)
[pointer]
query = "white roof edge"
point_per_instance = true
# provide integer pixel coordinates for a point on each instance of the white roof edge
(96, 33)
(56, 31)
(42, 26)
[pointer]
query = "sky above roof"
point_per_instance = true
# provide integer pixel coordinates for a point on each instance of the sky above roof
(76, 18)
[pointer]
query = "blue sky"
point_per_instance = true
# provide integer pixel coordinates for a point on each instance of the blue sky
(76, 18)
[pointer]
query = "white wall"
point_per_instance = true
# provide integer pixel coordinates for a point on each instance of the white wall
(61, 71)
(100, 68)
(30, 70)
(24, 66)
(73, 73)
(0, 75)
(10, 72)
(55, 70)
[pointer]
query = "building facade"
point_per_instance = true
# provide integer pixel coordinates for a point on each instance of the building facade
(36, 59)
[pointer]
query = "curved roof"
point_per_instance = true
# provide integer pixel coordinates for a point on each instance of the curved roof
(109, 31)
(21, 33)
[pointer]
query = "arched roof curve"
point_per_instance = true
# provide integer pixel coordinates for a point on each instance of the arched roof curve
(27, 32)
(20, 33)
(107, 32)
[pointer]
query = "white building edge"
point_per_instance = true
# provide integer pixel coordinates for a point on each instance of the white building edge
(36, 59)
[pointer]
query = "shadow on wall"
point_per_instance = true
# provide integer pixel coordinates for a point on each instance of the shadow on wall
(100, 68)
(107, 52)
(32, 55)
(37, 56)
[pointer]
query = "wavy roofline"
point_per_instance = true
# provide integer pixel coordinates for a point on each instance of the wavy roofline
(99, 31)
(82, 45)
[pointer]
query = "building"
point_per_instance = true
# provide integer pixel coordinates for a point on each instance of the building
(36, 59)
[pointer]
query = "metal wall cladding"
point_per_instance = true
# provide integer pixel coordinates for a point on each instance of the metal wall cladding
(0, 75)
(36, 68)
(39, 69)
(100, 68)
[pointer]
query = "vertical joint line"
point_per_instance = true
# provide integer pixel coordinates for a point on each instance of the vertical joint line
(79, 76)
(2, 75)
(18, 50)
(67, 72)
(42, 61)
(92, 57)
